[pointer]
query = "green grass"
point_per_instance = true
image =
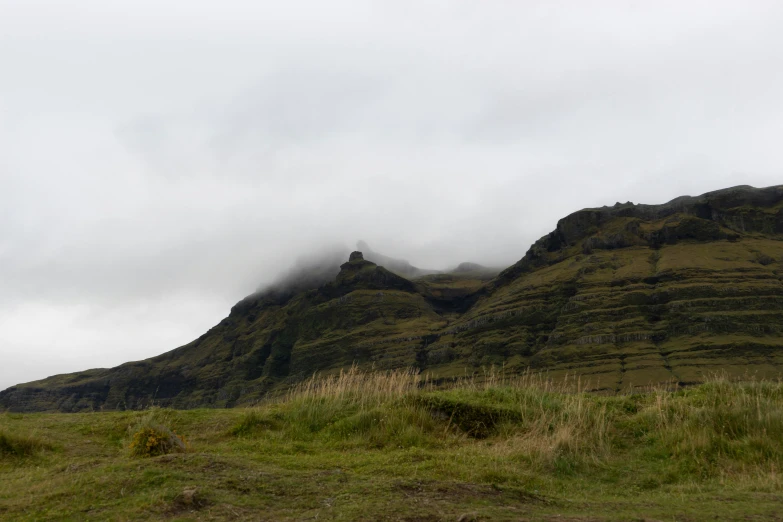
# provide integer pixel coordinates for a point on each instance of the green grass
(390, 446)
(15, 446)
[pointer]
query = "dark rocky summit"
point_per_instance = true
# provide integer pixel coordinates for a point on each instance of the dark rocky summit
(621, 296)
(722, 214)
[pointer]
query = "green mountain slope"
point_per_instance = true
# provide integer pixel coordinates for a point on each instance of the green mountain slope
(620, 296)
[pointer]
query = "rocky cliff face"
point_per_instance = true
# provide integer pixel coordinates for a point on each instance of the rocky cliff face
(722, 214)
(620, 296)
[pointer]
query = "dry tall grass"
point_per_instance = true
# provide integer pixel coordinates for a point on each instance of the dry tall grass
(717, 428)
(358, 387)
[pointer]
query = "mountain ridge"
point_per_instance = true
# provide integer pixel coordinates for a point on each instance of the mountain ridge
(624, 296)
(726, 209)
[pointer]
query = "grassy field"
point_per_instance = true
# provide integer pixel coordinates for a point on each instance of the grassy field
(388, 446)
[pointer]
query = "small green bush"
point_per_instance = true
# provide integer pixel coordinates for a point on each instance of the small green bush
(151, 437)
(157, 440)
(152, 441)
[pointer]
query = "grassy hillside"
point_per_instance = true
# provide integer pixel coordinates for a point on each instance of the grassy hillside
(625, 296)
(391, 447)
(634, 316)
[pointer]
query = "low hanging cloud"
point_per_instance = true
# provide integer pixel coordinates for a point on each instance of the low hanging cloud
(160, 162)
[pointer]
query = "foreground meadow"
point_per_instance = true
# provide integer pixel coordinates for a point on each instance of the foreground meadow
(361, 446)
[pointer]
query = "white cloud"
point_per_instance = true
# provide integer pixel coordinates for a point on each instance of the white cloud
(171, 156)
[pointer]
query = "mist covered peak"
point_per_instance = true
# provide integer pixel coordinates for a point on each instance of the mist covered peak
(398, 266)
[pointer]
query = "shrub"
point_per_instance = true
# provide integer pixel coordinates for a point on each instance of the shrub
(152, 441)
(151, 437)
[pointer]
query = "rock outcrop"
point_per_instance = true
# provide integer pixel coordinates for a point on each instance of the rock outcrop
(722, 214)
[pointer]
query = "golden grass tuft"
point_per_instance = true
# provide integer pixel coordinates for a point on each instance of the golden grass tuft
(364, 388)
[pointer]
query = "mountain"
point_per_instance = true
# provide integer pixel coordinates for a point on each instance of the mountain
(397, 266)
(622, 296)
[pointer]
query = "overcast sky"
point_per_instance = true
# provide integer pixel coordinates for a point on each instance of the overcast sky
(159, 159)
